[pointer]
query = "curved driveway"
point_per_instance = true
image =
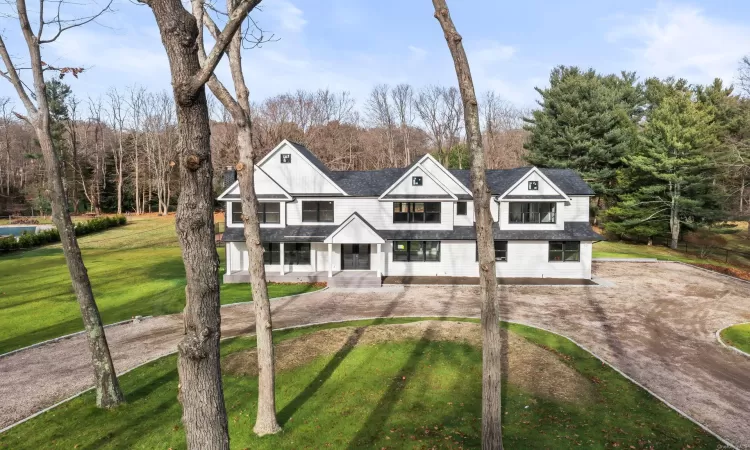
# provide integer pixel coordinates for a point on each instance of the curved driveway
(656, 324)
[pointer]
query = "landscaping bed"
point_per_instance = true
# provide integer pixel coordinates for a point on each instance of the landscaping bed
(386, 383)
(737, 336)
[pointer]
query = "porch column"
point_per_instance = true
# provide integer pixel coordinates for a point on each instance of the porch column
(281, 258)
(330, 260)
(380, 262)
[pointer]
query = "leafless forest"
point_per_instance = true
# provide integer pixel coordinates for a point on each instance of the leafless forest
(119, 150)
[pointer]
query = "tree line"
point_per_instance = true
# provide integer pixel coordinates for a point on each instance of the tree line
(664, 156)
(119, 154)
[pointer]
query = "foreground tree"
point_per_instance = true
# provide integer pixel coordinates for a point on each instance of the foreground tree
(491, 338)
(669, 179)
(35, 101)
(239, 108)
(204, 413)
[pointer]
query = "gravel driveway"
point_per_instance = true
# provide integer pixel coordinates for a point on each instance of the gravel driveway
(656, 324)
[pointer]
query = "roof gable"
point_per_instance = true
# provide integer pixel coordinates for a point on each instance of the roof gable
(300, 172)
(354, 230)
(265, 188)
(430, 187)
(545, 188)
(437, 170)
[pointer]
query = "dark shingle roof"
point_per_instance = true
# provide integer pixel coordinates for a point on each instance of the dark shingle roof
(367, 183)
(290, 233)
(574, 231)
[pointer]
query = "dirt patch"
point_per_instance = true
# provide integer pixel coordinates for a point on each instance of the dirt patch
(736, 272)
(529, 367)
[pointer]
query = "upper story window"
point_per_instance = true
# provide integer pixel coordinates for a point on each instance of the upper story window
(461, 208)
(532, 212)
(317, 211)
(420, 212)
(286, 158)
(269, 212)
(564, 251)
(416, 181)
(533, 185)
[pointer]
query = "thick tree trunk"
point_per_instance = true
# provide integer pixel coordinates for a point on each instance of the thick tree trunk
(201, 394)
(491, 337)
(674, 217)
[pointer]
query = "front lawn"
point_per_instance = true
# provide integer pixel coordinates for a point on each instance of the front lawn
(737, 336)
(135, 270)
(412, 393)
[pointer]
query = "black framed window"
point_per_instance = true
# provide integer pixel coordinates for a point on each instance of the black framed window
(416, 251)
(416, 181)
(236, 213)
(564, 251)
(533, 185)
(317, 211)
(419, 212)
(271, 254)
(501, 251)
(286, 158)
(519, 212)
(269, 212)
(296, 253)
(461, 208)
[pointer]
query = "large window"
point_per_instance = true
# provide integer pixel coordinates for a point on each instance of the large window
(501, 251)
(416, 251)
(236, 213)
(409, 212)
(269, 212)
(317, 211)
(296, 253)
(564, 251)
(532, 212)
(271, 254)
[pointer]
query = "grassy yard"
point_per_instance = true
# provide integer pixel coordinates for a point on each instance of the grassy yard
(404, 394)
(738, 336)
(135, 270)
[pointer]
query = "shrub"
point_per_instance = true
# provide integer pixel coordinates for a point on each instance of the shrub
(29, 240)
(706, 240)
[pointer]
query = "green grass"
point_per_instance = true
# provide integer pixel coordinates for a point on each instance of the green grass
(737, 336)
(136, 269)
(620, 249)
(410, 394)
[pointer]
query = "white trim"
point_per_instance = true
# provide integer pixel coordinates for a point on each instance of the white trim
(445, 171)
(543, 177)
(236, 183)
(286, 142)
(345, 223)
(409, 172)
(731, 347)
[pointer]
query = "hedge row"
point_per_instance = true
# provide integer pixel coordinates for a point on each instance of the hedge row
(28, 240)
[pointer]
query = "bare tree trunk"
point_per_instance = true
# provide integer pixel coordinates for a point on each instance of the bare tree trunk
(491, 338)
(108, 393)
(201, 394)
(674, 218)
(265, 422)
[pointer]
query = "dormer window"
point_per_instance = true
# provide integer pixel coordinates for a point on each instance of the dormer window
(416, 181)
(533, 185)
(286, 158)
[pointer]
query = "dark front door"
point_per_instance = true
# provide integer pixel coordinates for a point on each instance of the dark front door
(355, 256)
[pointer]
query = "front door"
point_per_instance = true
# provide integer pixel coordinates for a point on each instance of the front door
(355, 256)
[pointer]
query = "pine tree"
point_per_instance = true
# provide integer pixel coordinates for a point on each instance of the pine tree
(669, 178)
(586, 122)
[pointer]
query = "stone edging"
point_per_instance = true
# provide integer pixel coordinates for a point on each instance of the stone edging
(731, 347)
(679, 411)
(707, 270)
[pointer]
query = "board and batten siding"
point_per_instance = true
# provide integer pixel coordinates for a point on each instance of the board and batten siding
(577, 210)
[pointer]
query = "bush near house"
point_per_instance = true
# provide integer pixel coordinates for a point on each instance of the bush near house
(28, 240)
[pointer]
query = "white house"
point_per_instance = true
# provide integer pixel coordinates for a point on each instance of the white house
(323, 225)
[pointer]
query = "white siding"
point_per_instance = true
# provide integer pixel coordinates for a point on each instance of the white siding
(468, 219)
(298, 176)
(376, 213)
(438, 172)
(429, 186)
(545, 188)
(577, 210)
(282, 219)
(525, 259)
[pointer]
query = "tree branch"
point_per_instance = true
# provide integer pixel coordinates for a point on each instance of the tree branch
(76, 23)
(236, 17)
(11, 75)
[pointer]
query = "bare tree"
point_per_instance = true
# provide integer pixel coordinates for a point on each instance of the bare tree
(504, 135)
(380, 112)
(6, 118)
(403, 101)
(71, 126)
(117, 115)
(136, 104)
(491, 338)
(34, 99)
(430, 107)
(201, 393)
(743, 75)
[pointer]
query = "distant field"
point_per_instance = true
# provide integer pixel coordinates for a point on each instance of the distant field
(135, 270)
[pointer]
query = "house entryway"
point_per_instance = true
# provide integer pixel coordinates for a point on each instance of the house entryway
(355, 256)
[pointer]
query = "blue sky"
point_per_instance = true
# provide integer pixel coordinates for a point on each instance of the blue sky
(352, 45)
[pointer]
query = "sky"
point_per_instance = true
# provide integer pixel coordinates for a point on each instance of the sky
(351, 45)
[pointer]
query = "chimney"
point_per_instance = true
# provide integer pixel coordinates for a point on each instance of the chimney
(230, 176)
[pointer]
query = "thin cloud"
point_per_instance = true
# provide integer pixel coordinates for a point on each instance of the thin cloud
(287, 15)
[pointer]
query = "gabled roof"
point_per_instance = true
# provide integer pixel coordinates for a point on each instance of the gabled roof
(500, 180)
(542, 175)
(309, 156)
(366, 233)
(283, 195)
(402, 178)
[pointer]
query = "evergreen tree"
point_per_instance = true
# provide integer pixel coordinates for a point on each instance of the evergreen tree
(669, 179)
(586, 122)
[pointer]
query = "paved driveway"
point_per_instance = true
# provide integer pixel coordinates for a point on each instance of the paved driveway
(656, 324)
